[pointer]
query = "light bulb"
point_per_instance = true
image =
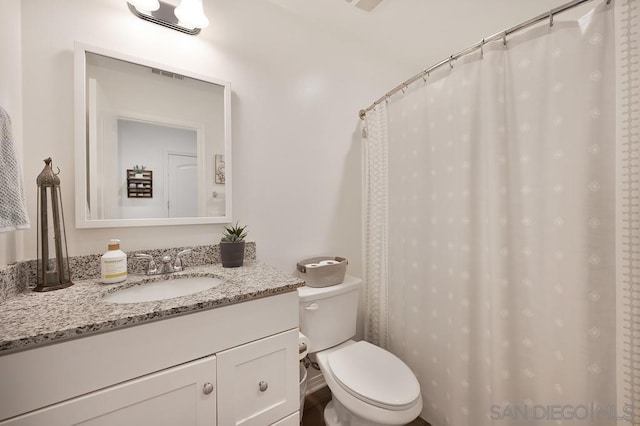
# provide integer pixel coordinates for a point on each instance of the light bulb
(191, 14)
(145, 5)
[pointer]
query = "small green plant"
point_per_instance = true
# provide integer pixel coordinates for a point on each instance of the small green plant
(234, 233)
(139, 169)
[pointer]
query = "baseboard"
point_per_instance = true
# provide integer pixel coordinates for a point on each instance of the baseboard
(315, 383)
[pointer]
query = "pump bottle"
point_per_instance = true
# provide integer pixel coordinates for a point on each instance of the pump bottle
(113, 264)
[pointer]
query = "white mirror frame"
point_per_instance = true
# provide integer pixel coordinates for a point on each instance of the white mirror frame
(81, 130)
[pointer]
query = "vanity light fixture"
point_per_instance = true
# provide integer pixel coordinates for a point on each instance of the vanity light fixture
(191, 15)
(187, 18)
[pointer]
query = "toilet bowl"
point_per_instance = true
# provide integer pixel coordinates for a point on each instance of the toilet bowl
(369, 385)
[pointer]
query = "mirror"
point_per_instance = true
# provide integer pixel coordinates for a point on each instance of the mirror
(153, 143)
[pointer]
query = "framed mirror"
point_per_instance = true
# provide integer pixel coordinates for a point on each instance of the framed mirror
(153, 143)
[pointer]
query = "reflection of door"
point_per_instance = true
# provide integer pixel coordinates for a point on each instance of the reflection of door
(182, 178)
(102, 181)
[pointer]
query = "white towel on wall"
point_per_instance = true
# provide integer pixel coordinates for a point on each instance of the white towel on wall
(13, 208)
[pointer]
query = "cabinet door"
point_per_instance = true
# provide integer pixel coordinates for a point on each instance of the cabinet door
(182, 395)
(258, 382)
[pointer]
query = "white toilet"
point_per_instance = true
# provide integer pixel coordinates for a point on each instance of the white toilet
(370, 386)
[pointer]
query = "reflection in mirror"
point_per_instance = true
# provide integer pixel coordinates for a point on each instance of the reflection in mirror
(153, 144)
(175, 152)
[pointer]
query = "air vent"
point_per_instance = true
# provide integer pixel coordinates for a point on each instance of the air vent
(366, 5)
(167, 74)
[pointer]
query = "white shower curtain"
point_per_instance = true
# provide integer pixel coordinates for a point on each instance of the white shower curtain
(496, 284)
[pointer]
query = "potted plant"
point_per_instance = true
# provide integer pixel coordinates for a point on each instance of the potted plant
(137, 170)
(232, 246)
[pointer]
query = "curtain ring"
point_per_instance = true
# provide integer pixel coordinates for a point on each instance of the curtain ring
(451, 61)
(551, 18)
(482, 49)
(504, 38)
(404, 87)
(425, 76)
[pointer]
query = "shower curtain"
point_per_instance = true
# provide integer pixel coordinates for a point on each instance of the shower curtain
(489, 228)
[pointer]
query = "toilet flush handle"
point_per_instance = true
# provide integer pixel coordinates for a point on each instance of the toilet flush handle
(312, 307)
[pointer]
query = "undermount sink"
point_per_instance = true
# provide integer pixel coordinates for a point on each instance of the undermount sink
(161, 290)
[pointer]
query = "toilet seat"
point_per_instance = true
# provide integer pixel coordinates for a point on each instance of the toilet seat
(374, 375)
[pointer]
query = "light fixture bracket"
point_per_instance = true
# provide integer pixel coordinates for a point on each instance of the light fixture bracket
(164, 16)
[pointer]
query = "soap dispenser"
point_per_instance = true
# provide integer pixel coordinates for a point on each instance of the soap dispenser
(113, 264)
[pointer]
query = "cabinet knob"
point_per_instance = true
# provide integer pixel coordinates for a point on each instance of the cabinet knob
(207, 388)
(263, 386)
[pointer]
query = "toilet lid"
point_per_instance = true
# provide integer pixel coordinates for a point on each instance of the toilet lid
(374, 375)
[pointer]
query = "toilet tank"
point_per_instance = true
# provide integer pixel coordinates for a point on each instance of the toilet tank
(328, 314)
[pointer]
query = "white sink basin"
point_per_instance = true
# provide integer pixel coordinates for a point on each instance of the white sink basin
(161, 290)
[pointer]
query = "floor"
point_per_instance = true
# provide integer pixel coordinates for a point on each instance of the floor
(314, 405)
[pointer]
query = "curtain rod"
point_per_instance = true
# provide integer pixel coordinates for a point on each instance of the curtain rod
(497, 36)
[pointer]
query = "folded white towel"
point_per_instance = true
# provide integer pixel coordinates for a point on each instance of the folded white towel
(13, 208)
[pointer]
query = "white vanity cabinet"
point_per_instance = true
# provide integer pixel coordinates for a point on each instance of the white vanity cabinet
(235, 364)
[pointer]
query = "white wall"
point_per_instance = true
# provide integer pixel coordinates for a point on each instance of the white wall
(420, 33)
(11, 247)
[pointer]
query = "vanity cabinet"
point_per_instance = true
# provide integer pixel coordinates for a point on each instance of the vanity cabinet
(236, 364)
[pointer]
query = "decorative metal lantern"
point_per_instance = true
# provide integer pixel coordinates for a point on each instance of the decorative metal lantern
(53, 258)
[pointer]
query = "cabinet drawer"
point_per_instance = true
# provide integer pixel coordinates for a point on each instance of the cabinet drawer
(258, 382)
(175, 396)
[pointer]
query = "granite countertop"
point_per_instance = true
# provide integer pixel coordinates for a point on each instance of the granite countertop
(30, 319)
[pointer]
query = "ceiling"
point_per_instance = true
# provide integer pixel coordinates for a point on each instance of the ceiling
(418, 33)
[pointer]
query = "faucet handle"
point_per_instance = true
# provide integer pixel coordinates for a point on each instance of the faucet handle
(177, 264)
(153, 268)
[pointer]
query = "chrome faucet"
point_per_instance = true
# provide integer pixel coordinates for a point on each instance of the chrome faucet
(152, 268)
(167, 264)
(178, 263)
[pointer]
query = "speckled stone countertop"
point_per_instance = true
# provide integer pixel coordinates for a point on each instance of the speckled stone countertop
(30, 319)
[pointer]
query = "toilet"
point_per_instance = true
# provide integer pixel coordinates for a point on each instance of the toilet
(369, 385)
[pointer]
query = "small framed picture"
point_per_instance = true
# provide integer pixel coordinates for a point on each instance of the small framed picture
(219, 168)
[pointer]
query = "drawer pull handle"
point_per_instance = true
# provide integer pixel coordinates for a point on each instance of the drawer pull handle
(312, 307)
(207, 388)
(263, 386)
